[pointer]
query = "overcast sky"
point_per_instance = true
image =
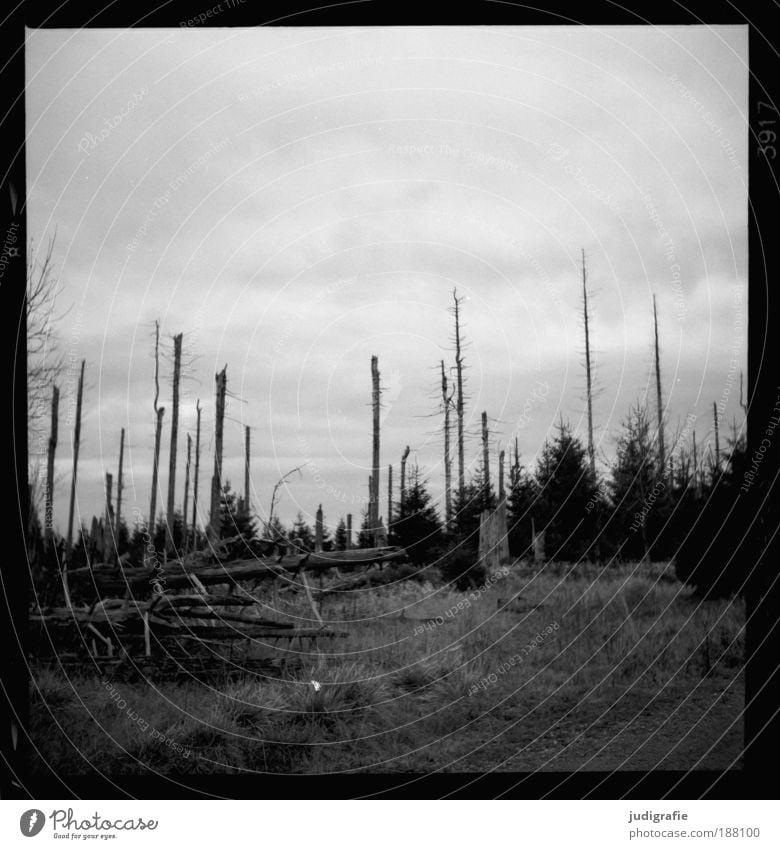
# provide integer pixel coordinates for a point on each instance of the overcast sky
(296, 200)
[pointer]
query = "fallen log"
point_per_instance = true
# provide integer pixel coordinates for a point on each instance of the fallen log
(175, 574)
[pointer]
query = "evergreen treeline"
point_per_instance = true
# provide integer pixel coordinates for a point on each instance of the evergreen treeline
(638, 510)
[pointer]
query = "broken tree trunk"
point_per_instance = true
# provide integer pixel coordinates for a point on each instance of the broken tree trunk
(485, 455)
(375, 402)
(493, 539)
(216, 480)
(659, 402)
(186, 493)
(446, 401)
(159, 412)
(246, 470)
(155, 470)
(369, 517)
(49, 512)
(501, 476)
(197, 475)
(404, 457)
(591, 451)
(109, 543)
(389, 496)
(717, 435)
(459, 406)
(119, 486)
(76, 443)
(170, 509)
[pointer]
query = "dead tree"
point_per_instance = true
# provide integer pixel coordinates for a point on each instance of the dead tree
(659, 402)
(375, 401)
(742, 403)
(186, 492)
(459, 405)
(109, 542)
(318, 530)
(349, 531)
(216, 480)
(404, 457)
(501, 476)
(246, 470)
(591, 450)
(446, 399)
(170, 511)
(119, 484)
(156, 469)
(76, 443)
(49, 511)
(389, 496)
(717, 435)
(159, 412)
(196, 476)
(369, 517)
(695, 467)
(485, 455)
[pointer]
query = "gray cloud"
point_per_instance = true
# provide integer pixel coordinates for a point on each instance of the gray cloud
(298, 200)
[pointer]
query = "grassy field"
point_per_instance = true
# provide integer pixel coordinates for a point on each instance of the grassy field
(585, 669)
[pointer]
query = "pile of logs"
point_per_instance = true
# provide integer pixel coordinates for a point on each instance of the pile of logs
(200, 569)
(168, 605)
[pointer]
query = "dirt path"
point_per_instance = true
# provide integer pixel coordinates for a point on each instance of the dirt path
(672, 729)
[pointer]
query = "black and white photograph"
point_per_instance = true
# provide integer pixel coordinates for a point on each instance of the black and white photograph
(387, 399)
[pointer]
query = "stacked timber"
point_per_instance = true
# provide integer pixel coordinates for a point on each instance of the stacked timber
(197, 570)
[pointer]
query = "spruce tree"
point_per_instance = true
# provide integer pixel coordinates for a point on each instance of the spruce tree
(637, 488)
(417, 527)
(565, 486)
(340, 537)
(521, 502)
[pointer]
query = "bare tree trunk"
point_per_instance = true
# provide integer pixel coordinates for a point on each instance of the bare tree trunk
(119, 486)
(742, 404)
(661, 449)
(109, 542)
(170, 512)
(389, 497)
(403, 476)
(370, 518)
(500, 476)
(216, 480)
(318, 530)
(76, 443)
(246, 471)
(155, 471)
(459, 402)
(717, 435)
(49, 511)
(159, 412)
(446, 401)
(375, 398)
(591, 450)
(197, 475)
(485, 457)
(695, 467)
(349, 531)
(186, 494)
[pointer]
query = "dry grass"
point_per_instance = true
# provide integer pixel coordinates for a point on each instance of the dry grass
(424, 678)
